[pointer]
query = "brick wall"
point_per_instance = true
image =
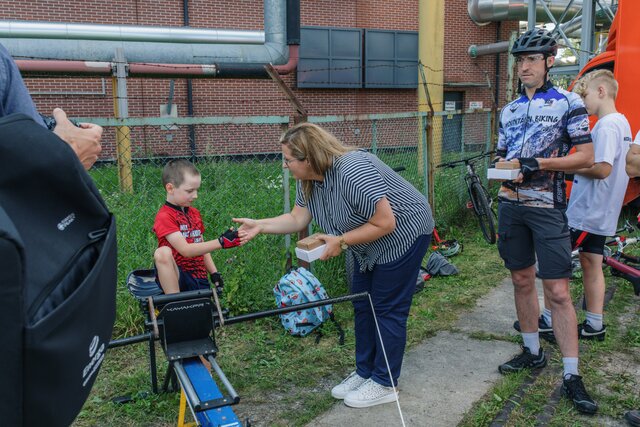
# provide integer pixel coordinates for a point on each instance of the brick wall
(252, 97)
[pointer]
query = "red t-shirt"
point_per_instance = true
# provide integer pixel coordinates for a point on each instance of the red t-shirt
(172, 218)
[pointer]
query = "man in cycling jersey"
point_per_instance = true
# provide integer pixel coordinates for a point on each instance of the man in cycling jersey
(537, 130)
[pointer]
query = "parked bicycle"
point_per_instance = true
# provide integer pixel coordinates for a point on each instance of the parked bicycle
(482, 203)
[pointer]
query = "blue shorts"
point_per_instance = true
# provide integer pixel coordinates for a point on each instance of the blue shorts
(187, 282)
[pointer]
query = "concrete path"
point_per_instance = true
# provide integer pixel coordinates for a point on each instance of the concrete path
(444, 376)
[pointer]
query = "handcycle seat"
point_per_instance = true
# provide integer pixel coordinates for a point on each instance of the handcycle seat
(142, 284)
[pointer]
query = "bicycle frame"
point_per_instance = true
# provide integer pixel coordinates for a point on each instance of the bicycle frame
(480, 200)
(469, 179)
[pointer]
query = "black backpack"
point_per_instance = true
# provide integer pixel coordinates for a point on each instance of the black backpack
(57, 277)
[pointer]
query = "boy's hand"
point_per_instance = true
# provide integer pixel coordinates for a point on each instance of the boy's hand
(216, 279)
(229, 239)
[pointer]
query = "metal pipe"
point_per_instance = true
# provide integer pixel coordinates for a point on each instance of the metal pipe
(173, 70)
(223, 378)
(221, 68)
(274, 312)
(63, 67)
(487, 49)
(185, 382)
(192, 128)
(497, 84)
(568, 27)
(204, 293)
(274, 50)
(130, 340)
(483, 12)
(468, 84)
(293, 22)
(124, 33)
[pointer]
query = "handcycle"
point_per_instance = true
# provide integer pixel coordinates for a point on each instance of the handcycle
(481, 201)
(185, 325)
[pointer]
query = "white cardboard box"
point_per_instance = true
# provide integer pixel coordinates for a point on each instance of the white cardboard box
(311, 255)
(502, 174)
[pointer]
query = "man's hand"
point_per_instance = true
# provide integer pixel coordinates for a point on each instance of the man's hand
(85, 140)
(216, 279)
(528, 165)
(229, 239)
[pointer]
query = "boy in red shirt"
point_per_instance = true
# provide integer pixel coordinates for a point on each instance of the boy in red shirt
(183, 258)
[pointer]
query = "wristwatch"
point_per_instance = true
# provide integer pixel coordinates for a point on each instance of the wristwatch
(343, 244)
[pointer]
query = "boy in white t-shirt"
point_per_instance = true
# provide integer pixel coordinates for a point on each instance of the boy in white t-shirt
(598, 192)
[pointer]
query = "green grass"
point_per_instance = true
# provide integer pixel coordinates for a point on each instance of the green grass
(256, 356)
(607, 367)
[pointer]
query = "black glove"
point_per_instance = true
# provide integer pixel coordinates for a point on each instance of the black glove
(229, 239)
(216, 279)
(528, 165)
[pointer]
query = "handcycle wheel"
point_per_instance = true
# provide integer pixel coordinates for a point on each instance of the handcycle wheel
(482, 209)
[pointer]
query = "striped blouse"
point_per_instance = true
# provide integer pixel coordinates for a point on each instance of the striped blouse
(347, 198)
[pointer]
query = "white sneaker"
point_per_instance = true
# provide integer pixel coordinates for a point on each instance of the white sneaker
(370, 393)
(352, 382)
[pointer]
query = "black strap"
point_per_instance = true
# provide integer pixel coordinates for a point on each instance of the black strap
(338, 327)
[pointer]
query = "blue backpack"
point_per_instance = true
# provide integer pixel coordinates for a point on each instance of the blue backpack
(297, 287)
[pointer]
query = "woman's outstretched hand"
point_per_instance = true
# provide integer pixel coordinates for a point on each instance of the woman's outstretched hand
(249, 228)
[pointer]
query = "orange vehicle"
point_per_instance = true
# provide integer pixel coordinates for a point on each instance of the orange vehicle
(622, 57)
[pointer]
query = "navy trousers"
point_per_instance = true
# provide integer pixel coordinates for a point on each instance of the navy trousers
(391, 287)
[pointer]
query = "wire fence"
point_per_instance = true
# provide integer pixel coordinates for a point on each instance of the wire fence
(240, 162)
(455, 136)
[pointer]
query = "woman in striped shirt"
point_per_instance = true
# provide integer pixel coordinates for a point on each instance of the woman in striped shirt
(364, 207)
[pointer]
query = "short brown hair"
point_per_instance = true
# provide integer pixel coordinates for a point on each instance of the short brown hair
(174, 171)
(597, 77)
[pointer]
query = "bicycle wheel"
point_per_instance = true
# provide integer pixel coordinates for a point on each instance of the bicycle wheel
(482, 209)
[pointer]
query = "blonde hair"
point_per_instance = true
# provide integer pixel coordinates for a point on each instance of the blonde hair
(310, 142)
(175, 170)
(595, 78)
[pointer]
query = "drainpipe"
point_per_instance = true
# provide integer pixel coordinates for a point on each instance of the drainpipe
(192, 128)
(293, 37)
(497, 85)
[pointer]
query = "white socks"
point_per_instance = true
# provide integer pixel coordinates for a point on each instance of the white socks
(532, 342)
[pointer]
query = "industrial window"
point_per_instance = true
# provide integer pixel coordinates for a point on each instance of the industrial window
(330, 58)
(391, 59)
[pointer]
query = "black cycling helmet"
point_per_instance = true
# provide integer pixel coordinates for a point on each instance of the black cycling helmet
(536, 40)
